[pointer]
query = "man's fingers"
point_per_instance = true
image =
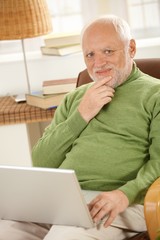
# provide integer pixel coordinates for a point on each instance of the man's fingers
(110, 219)
(100, 210)
(103, 212)
(105, 89)
(104, 81)
(100, 213)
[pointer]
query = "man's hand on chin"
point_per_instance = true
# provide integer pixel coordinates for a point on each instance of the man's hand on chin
(95, 98)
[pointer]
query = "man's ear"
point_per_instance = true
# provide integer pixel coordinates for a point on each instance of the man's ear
(132, 48)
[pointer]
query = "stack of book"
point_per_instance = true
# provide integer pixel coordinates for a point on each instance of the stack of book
(61, 44)
(52, 93)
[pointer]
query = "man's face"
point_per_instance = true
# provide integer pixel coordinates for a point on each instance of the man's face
(105, 54)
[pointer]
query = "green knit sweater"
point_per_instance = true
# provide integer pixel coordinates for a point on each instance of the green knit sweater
(117, 149)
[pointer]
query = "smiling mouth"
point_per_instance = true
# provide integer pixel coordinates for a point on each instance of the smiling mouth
(104, 72)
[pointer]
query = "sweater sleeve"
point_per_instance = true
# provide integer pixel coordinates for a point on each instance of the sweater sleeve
(137, 188)
(57, 140)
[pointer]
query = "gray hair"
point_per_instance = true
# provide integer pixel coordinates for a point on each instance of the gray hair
(120, 25)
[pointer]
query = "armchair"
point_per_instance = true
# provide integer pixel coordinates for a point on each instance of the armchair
(152, 200)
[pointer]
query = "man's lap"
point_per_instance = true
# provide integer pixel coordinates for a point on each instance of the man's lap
(32, 231)
(22, 230)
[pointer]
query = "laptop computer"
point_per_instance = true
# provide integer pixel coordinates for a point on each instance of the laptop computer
(42, 195)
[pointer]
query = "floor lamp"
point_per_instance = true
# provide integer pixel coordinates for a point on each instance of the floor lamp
(20, 19)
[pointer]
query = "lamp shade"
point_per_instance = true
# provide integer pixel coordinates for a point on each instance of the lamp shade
(21, 19)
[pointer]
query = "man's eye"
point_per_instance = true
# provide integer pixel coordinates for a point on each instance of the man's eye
(90, 55)
(109, 52)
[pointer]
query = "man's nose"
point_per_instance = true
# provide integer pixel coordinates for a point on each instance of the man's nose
(100, 60)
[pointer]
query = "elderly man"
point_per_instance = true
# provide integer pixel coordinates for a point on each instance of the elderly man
(108, 132)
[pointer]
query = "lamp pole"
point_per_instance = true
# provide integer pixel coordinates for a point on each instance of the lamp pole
(26, 67)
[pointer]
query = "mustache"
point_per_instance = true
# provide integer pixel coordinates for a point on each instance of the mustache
(104, 68)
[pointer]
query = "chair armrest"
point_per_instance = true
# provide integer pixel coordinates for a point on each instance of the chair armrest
(152, 210)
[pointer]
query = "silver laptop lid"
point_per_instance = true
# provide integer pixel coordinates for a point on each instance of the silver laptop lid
(42, 195)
